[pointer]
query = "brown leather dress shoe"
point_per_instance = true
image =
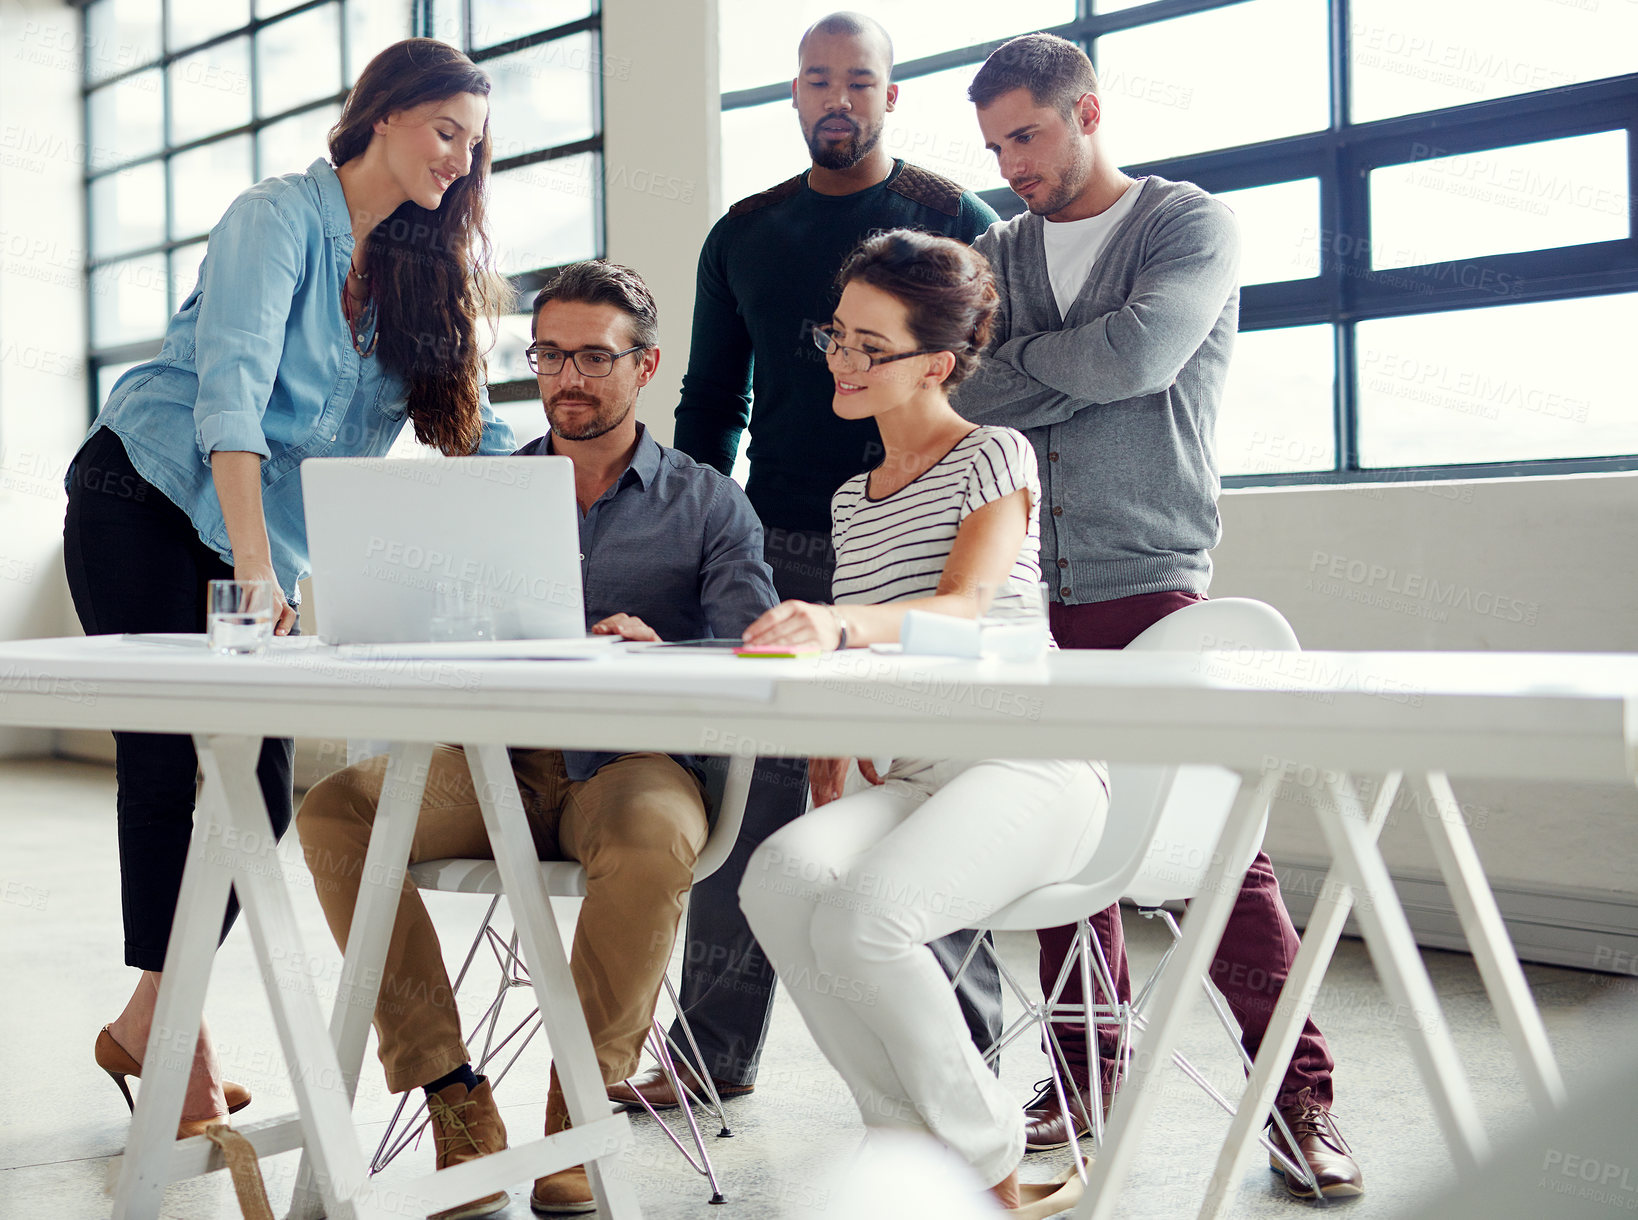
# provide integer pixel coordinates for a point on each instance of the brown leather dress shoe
(1321, 1145)
(1045, 1127)
(466, 1126)
(653, 1085)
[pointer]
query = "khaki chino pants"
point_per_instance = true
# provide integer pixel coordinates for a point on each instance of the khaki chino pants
(637, 826)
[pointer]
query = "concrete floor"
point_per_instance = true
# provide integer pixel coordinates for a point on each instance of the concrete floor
(793, 1149)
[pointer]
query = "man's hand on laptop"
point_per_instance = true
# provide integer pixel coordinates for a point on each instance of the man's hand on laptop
(627, 627)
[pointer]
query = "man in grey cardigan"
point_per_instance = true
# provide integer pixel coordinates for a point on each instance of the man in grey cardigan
(1119, 304)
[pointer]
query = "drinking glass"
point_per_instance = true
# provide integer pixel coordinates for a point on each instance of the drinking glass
(239, 616)
(460, 614)
(1012, 621)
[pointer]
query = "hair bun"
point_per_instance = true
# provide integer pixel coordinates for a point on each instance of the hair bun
(947, 289)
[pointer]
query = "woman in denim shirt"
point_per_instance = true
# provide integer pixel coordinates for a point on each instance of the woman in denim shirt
(331, 306)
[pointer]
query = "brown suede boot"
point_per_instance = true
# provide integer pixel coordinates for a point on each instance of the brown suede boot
(466, 1126)
(566, 1192)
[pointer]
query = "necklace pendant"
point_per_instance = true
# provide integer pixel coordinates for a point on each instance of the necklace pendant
(364, 321)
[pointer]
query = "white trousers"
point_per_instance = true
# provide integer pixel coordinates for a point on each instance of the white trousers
(845, 899)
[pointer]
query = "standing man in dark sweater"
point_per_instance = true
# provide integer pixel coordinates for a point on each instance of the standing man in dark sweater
(1119, 305)
(767, 273)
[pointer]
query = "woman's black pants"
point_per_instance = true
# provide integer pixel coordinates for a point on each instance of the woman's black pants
(136, 563)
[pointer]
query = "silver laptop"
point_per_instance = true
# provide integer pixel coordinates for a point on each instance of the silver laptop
(393, 539)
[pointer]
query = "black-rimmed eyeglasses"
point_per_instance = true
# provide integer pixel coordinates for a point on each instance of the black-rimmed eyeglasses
(857, 360)
(591, 361)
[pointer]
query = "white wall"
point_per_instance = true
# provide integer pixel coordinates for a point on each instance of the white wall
(661, 165)
(42, 312)
(1540, 565)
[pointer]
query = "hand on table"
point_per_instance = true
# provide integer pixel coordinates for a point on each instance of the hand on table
(796, 627)
(627, 627)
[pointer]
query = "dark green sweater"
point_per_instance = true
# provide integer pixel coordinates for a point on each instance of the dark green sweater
(767, 270)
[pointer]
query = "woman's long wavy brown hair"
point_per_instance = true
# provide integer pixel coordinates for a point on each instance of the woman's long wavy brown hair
(431, 272)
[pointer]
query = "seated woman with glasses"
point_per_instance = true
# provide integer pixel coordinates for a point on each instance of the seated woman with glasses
(845, 900)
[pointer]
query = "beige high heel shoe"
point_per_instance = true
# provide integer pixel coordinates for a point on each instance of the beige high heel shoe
(119, 1063)
(1037, 1200)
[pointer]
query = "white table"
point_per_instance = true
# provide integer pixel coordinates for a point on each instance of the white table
(1267, 716)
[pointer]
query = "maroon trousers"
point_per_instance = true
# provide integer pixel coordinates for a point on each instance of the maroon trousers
(1259, 943)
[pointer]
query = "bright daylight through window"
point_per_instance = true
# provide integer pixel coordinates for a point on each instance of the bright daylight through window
(1436, 303)
(188, 102)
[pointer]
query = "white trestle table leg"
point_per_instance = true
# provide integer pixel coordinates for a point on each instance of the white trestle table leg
(1179, 987)
(233, 844)
(1404, 976)
(1492, 948)
(385, 864)
(1319, 942)
(594, 1133)
(322, 1101)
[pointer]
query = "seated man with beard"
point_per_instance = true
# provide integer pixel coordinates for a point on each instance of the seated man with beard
(670, 549)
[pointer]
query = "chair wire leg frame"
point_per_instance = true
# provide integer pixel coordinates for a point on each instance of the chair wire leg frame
(1086, 957)
(711, 1101)
(1053, 1007)
(659, 1045)
(402, 1132)
(1293, 1165)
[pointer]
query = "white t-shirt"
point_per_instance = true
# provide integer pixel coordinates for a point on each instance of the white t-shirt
(894, 548)
(1073, 246)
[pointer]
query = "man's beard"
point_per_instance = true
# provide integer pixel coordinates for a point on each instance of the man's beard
(605, 418)
(844, 154)
(1070, 184)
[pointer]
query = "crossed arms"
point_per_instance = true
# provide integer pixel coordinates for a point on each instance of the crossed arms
(1031, 380)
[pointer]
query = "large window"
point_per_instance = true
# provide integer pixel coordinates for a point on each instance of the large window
(188, 102)
(1439, 260)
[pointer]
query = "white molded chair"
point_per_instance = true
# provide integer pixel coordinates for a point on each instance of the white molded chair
(728, 783)
(1157, 843)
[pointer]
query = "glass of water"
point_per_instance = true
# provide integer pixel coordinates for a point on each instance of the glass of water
(1012, 621)
(239, 616)
(460, 614)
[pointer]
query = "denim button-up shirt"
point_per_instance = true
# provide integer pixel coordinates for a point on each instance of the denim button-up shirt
(674, 543)
(259, 359)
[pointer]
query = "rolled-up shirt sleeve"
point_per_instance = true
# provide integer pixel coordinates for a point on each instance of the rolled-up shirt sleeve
(252, 269)
(736, 585)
